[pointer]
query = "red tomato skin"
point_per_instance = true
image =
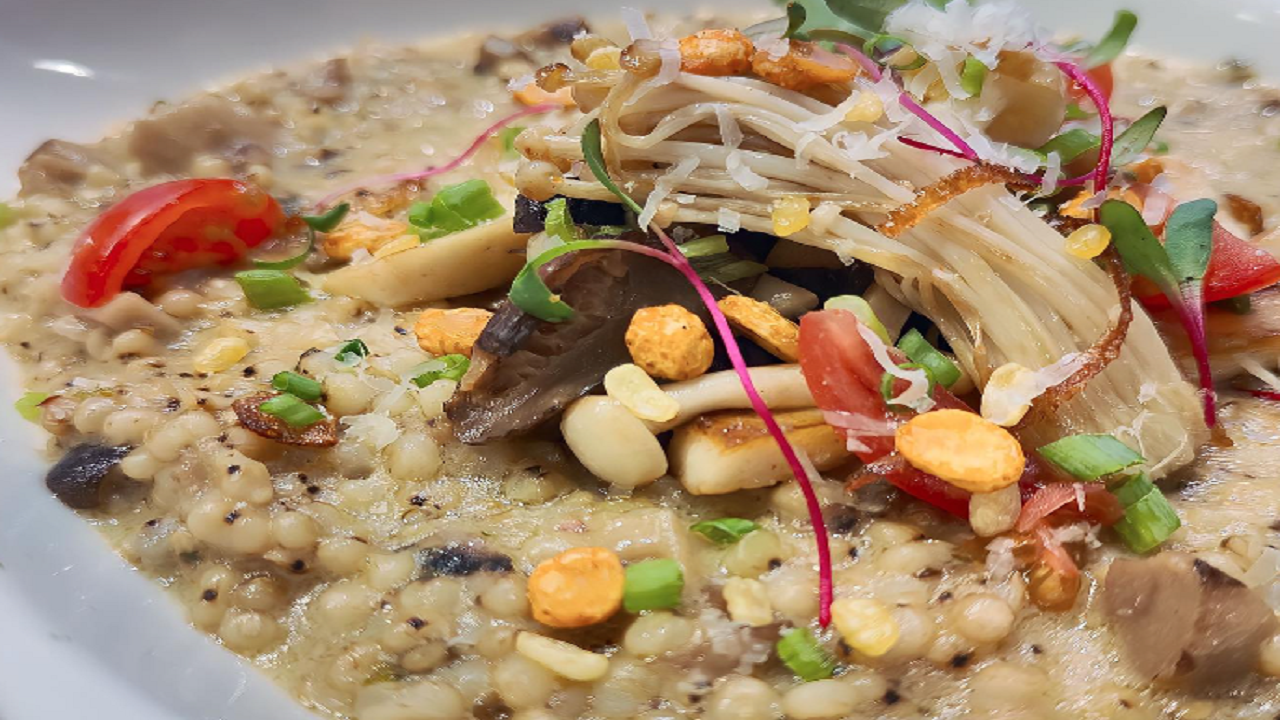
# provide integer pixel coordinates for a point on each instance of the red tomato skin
(1236, 267)
(1102, 76)
(143, 235)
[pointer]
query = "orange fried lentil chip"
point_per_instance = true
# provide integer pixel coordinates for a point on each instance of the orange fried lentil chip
(319, 434)
(804, 66)
(578, 587)
(764, 325)
(961, 448)
(670, 342)
(450, 332)
(716, 52)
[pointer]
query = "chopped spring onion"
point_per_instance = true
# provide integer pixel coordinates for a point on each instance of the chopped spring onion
(507, 138)
(725, 269)
(292, 410)
(800, 652)
(593, 153)
(559, 223)
(299, 385)
(1090, 457)
(939, 366)
(329, 220)
(268, 289)
(455, 208)
(28, 406)
(7, 216)
(887, 380)
(352, 352)
(1134, 140)
(1149, 519)
(724, 531)
(293, 260)
(888, 47)
(652, 585)
(530, 294)
(445, 367)
(862, 309)
(973, 75)
(1071, 144)
(1114, 42)
(703, 247)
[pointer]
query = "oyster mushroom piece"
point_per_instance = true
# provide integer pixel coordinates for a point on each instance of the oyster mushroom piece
(525, 371)
(1184, 621)
(466, 262)
(77, 478)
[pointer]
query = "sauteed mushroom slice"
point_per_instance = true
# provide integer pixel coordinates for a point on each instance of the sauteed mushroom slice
(78, 477)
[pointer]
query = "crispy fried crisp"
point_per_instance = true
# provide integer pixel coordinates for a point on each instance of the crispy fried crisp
(764, 325)
(450, 332)
(670, 342)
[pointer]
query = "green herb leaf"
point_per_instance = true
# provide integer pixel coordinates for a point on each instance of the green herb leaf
(559, 224)
(890, 46)
(271, 289)
(705, 247)
(1159, 147)
(593, 153)
(1114, 42)
(972, 76)
(1134, 140)
(445, 367)
(800, 652)
(530, 294)
(652, 585)
(455, 208)
(1090, 457)
(939, 366)
(1071, 144)
(866, 15)
(299, 385)
(724, 531)
(1141, 252)
(292, 410)
(1075, 112)
(351, 352)
(796, 15)
(329, 220)
(28, 406)
(1188, 239)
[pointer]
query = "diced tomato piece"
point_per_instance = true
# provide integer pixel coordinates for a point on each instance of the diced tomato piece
(1236, 267)
(1062, 500)
(930, 489)
(168, 228)
(1102, 76)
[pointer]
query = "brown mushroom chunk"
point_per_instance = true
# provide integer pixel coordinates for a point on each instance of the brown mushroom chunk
(56, 168)
(77, 479)
(329, 83)
(169, 141)
(1184, 621)
(251, 417)
(525, 371)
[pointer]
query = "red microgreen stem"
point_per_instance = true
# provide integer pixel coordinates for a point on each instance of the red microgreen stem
(441, 169)
(825, 583)
(919, 145)
(869, 66)
(951, 136)
(1102, 172)
(1189, 305)
(1266, 394)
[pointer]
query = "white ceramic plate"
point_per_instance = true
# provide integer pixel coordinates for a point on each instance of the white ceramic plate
(81, 635)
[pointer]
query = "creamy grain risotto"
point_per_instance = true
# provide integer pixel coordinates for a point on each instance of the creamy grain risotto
(889, 360)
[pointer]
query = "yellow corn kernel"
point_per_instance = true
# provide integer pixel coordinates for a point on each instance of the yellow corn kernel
(961, 448)
(632, 386)
(605, 58)
(562, 658)
(748, 602)
(866, 625)
(1008, 394)
(868, 108)
(1089, 241)
(790, 215)
(220, 354)
(578, 587)
(399, 245)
